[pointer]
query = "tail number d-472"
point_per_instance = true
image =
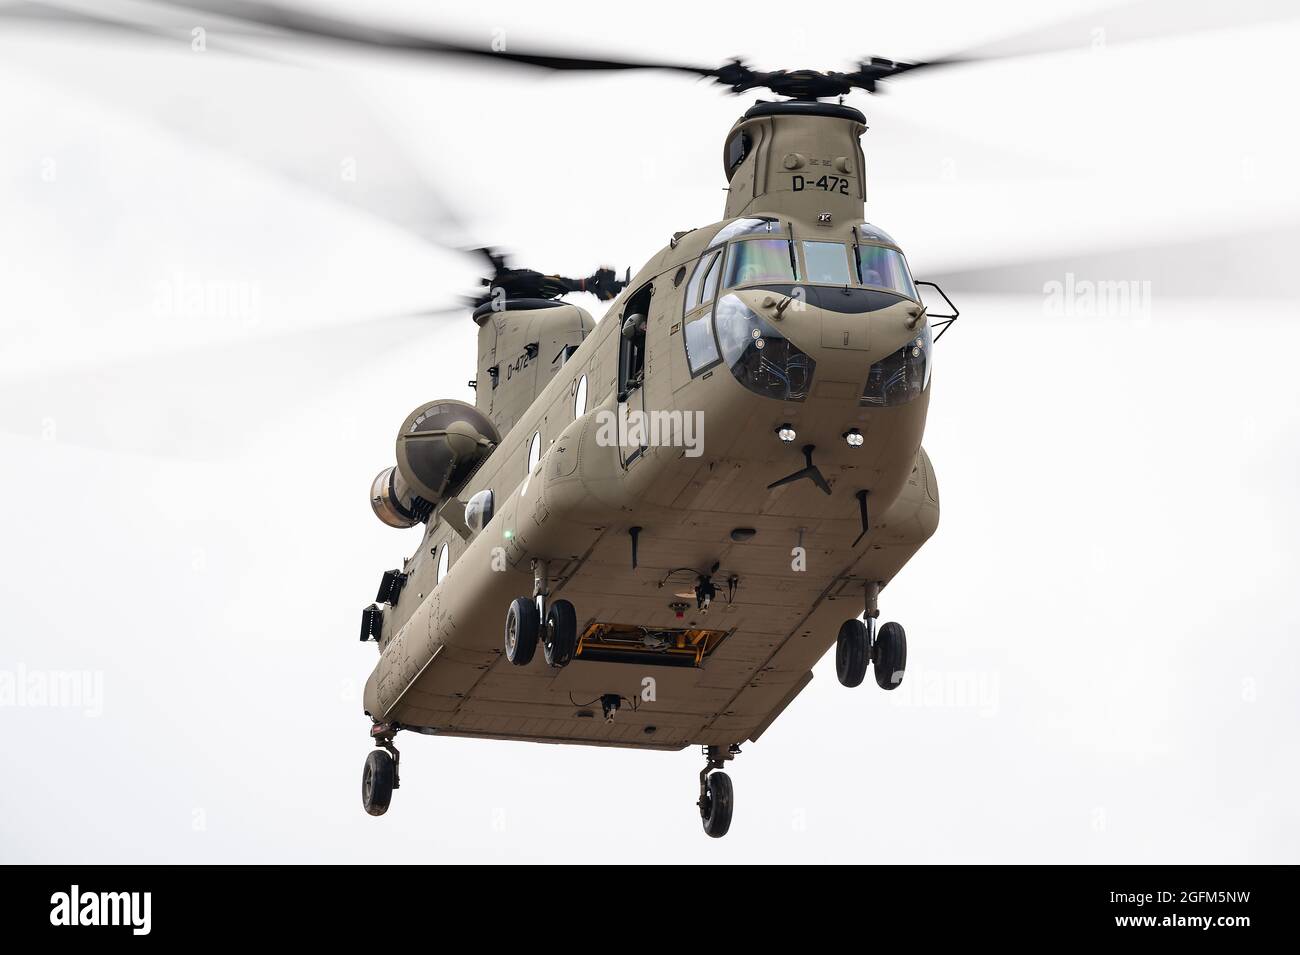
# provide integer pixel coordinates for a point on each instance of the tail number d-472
(825, 183)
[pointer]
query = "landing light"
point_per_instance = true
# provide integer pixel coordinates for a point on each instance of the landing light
(786, 433)
(854, 438)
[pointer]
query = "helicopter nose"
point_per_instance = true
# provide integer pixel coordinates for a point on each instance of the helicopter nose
(845, 322)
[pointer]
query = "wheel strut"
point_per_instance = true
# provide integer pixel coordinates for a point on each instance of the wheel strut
(715, 758)
(871, 613)
(541, 586)
(382, 734)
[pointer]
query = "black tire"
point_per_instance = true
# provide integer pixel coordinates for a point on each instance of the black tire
(718, 801)
(522, 624)
(891, 656)
(377, 778)
(852, 653)
(560, 636)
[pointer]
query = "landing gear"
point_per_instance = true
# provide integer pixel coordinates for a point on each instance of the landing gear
(379, 776)
(858, 645)
(560, 637)
(717, 797)
(530, 617)
(853, 651)
(890, 656)
(521, 631)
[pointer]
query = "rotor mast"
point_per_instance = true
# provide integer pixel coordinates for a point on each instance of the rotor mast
(798, 159)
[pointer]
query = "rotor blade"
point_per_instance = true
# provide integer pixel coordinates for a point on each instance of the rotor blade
(201, 403)
(351, 156)
(289, 21)
(1253, 265)
(1125, 23)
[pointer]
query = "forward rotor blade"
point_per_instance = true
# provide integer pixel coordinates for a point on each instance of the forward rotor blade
(1252, 265)
(287, 21)
(1125, 23)
(1142, 20)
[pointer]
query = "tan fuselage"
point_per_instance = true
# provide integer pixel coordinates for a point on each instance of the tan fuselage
(795, 577)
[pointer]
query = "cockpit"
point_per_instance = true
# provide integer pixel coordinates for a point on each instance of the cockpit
(720, 327)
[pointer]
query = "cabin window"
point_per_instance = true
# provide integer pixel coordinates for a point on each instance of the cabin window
(826, 262)
(879, 267)
(759, 260)
(534, 452)
(580, 397)
(443, 558)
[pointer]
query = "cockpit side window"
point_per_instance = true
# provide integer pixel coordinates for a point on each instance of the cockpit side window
(902, 376)
(711, 280)
(704, 282)
(881, 267)
(701, 348)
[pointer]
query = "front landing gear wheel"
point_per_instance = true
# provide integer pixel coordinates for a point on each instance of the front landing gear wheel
(716, 804)
(560, 636)
(890, 655)
(522, 624)
(377, 779)
(852, 652)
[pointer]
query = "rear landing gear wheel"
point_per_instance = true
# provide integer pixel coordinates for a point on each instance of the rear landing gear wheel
(716, 794)
(377, 779)
(890, 654)
(716, 805)
(852, 652)
(560, 636)
(522, 624)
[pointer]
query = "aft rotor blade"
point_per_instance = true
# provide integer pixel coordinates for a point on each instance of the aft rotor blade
(183, 403)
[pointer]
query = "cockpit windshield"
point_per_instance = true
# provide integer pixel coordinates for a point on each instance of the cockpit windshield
(826, 262)
(759, 250)
(759, 260)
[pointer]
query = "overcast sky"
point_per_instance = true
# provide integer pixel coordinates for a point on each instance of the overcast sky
(203, 364)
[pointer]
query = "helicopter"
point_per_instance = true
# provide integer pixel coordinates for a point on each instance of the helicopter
(685, 505)
(577, 506)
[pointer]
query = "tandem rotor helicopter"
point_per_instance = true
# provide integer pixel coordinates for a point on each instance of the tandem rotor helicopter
(685, 505)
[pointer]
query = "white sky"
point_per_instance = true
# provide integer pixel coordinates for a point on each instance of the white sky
(1113, 569)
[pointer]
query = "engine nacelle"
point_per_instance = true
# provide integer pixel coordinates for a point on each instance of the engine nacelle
(439, 446)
